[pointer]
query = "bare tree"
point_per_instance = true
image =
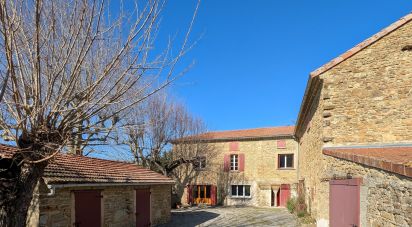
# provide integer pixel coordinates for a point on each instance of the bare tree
(158, 125)
(71, 69)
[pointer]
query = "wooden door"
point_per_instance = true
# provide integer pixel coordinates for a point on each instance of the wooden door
(143, 207)
(344, 202)
(202, 194)
(87, 208)
(284, 194)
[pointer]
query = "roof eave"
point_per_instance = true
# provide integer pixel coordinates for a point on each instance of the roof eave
(222, 139)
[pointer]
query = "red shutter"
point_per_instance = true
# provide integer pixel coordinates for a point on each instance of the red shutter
(189, 194)
(241, 162)
(213, 194)
(281, 144)
(233, 146)
(226, 163)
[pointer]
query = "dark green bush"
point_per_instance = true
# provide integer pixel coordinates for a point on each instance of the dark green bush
(301, 214)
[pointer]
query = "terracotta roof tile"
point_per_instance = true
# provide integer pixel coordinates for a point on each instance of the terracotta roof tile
(393, 159)
(65, 168)
(248, 133)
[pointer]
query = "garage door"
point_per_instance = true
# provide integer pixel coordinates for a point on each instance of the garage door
(87, 208)
(344, 202)
(143, 207)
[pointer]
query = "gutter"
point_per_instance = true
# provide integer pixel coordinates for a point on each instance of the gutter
(52, 187)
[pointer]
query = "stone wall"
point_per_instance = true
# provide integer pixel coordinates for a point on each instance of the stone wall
(118, 206)
(369, 96)
(160, 203)
(388, 196)
(261, 168)
(312, 164)
(366, 99)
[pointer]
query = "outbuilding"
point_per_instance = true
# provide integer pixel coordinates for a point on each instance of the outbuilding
(82, 191)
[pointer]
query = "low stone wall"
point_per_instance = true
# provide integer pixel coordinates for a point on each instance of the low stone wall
(160, 203)
(118, 205)
(387, 197)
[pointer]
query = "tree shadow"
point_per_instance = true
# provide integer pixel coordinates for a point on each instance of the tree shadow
(190, 218)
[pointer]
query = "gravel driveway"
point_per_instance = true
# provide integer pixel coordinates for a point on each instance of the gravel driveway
(231, 216)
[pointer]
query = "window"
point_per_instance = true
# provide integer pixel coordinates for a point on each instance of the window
(199, 162)
(240, 191)
(234, 162)
(285, 161)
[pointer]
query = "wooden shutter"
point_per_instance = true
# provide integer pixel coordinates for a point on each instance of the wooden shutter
(241, 162)
(281, 144)
(233, 146)
(213, 194)
(226, 163)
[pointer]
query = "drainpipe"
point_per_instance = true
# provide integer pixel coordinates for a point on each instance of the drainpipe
(52, 190)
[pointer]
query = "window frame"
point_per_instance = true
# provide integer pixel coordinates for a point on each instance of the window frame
(243, 186)
(235, 165)
(199, 161)
(286, 161)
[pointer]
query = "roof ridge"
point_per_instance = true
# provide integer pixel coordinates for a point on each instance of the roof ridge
(362, 45)
(268, 127)
(87, 157)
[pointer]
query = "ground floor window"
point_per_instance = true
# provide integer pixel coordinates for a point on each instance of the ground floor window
(241, 191)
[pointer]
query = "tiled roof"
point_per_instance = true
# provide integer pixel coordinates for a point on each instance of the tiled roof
(66, 169)
(247, 133)
(362, 45)
(7, 151)
(393, 159)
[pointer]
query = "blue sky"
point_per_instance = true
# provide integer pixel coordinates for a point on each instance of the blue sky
(254, 57)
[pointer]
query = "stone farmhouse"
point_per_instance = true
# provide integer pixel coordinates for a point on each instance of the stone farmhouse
(355, 134)
(255, 167)
(351, 147)
(81, 191)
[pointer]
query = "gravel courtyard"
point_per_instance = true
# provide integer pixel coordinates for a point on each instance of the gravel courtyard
(231, 216)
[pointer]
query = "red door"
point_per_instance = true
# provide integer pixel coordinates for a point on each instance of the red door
(87, 208)
(284, 194)
(143, 207)
(344, 202)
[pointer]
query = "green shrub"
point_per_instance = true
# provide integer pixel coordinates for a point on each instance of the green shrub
(301, 214)
(291, 205)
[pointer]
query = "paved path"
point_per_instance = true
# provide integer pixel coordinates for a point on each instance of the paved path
(231, 216)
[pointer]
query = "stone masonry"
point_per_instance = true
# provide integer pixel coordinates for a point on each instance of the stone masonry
(118, 206)
(388, 196)
(261, 172)
(364, 100)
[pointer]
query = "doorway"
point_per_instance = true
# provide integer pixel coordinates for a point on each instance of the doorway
(143, 207)
(87, 208)
(344, 202)
(202, 194)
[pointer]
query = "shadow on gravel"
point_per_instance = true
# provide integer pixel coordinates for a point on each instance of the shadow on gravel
(188, 219)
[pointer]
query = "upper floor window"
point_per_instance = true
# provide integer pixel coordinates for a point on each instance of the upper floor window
(199, 162)
(285, 161)
(240, 191)
(234, 162)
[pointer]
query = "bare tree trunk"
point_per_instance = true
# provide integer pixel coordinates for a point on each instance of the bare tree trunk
(17, 196)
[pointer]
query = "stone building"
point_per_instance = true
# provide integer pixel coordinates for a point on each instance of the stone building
(355, 134)
(242, 167)
(81, 191)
